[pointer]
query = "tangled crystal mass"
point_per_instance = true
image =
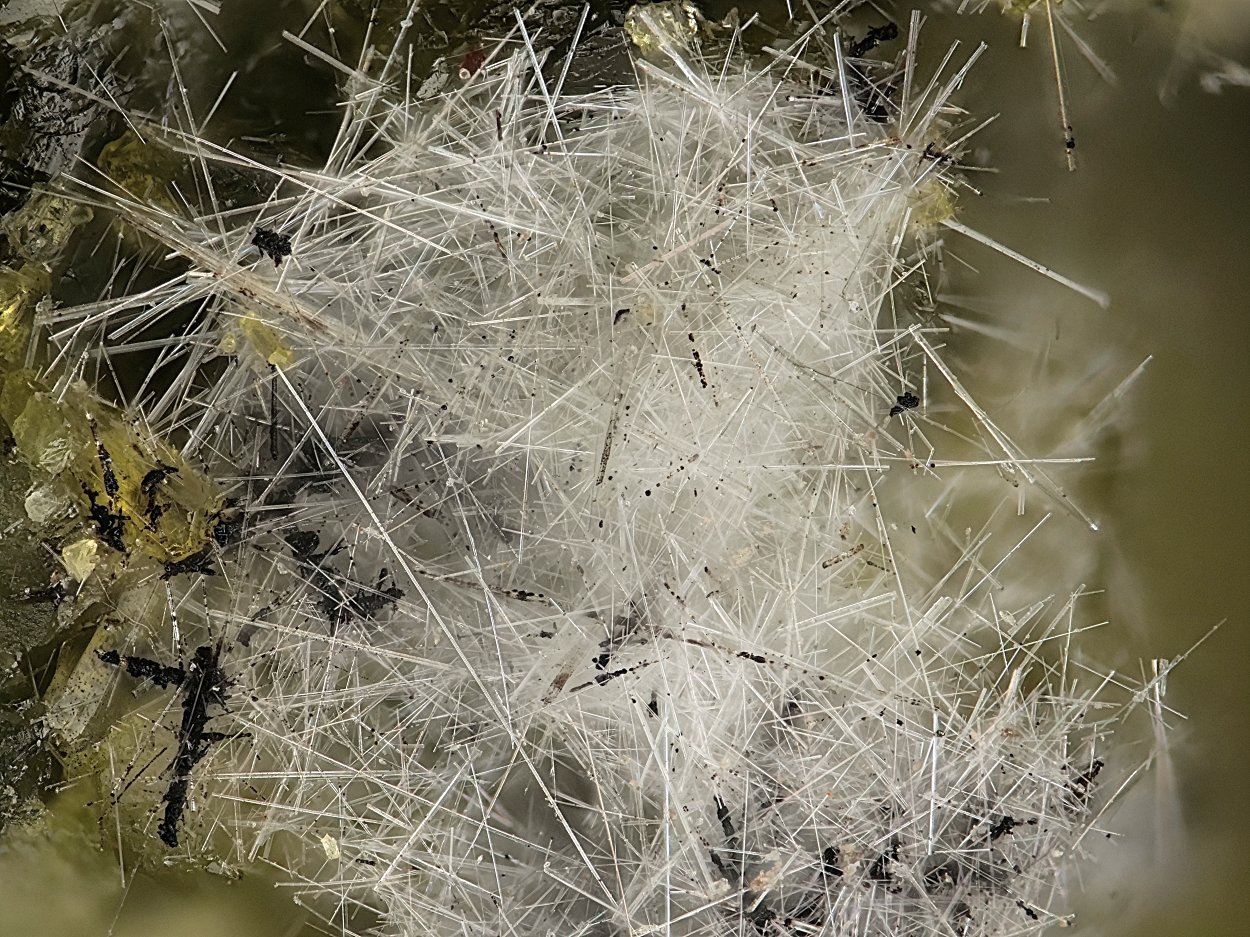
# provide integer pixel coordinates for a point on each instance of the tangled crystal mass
(539, 526)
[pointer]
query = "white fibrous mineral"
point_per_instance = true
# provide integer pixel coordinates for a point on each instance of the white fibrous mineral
(586, 581)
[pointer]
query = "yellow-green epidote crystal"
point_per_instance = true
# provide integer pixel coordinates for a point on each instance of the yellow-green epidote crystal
(142, 168)
(117, 504)
(20, 292)
(650, 28)
(37, 234)
(145, 501)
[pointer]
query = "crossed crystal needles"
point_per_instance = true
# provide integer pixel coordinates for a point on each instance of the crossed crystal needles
(555, 574)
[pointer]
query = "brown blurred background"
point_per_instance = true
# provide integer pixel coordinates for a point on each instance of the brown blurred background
(1158, 215)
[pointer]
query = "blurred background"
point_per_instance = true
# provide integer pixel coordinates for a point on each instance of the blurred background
(1157, 215)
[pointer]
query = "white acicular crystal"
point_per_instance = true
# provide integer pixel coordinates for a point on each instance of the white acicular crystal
(578, 436)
